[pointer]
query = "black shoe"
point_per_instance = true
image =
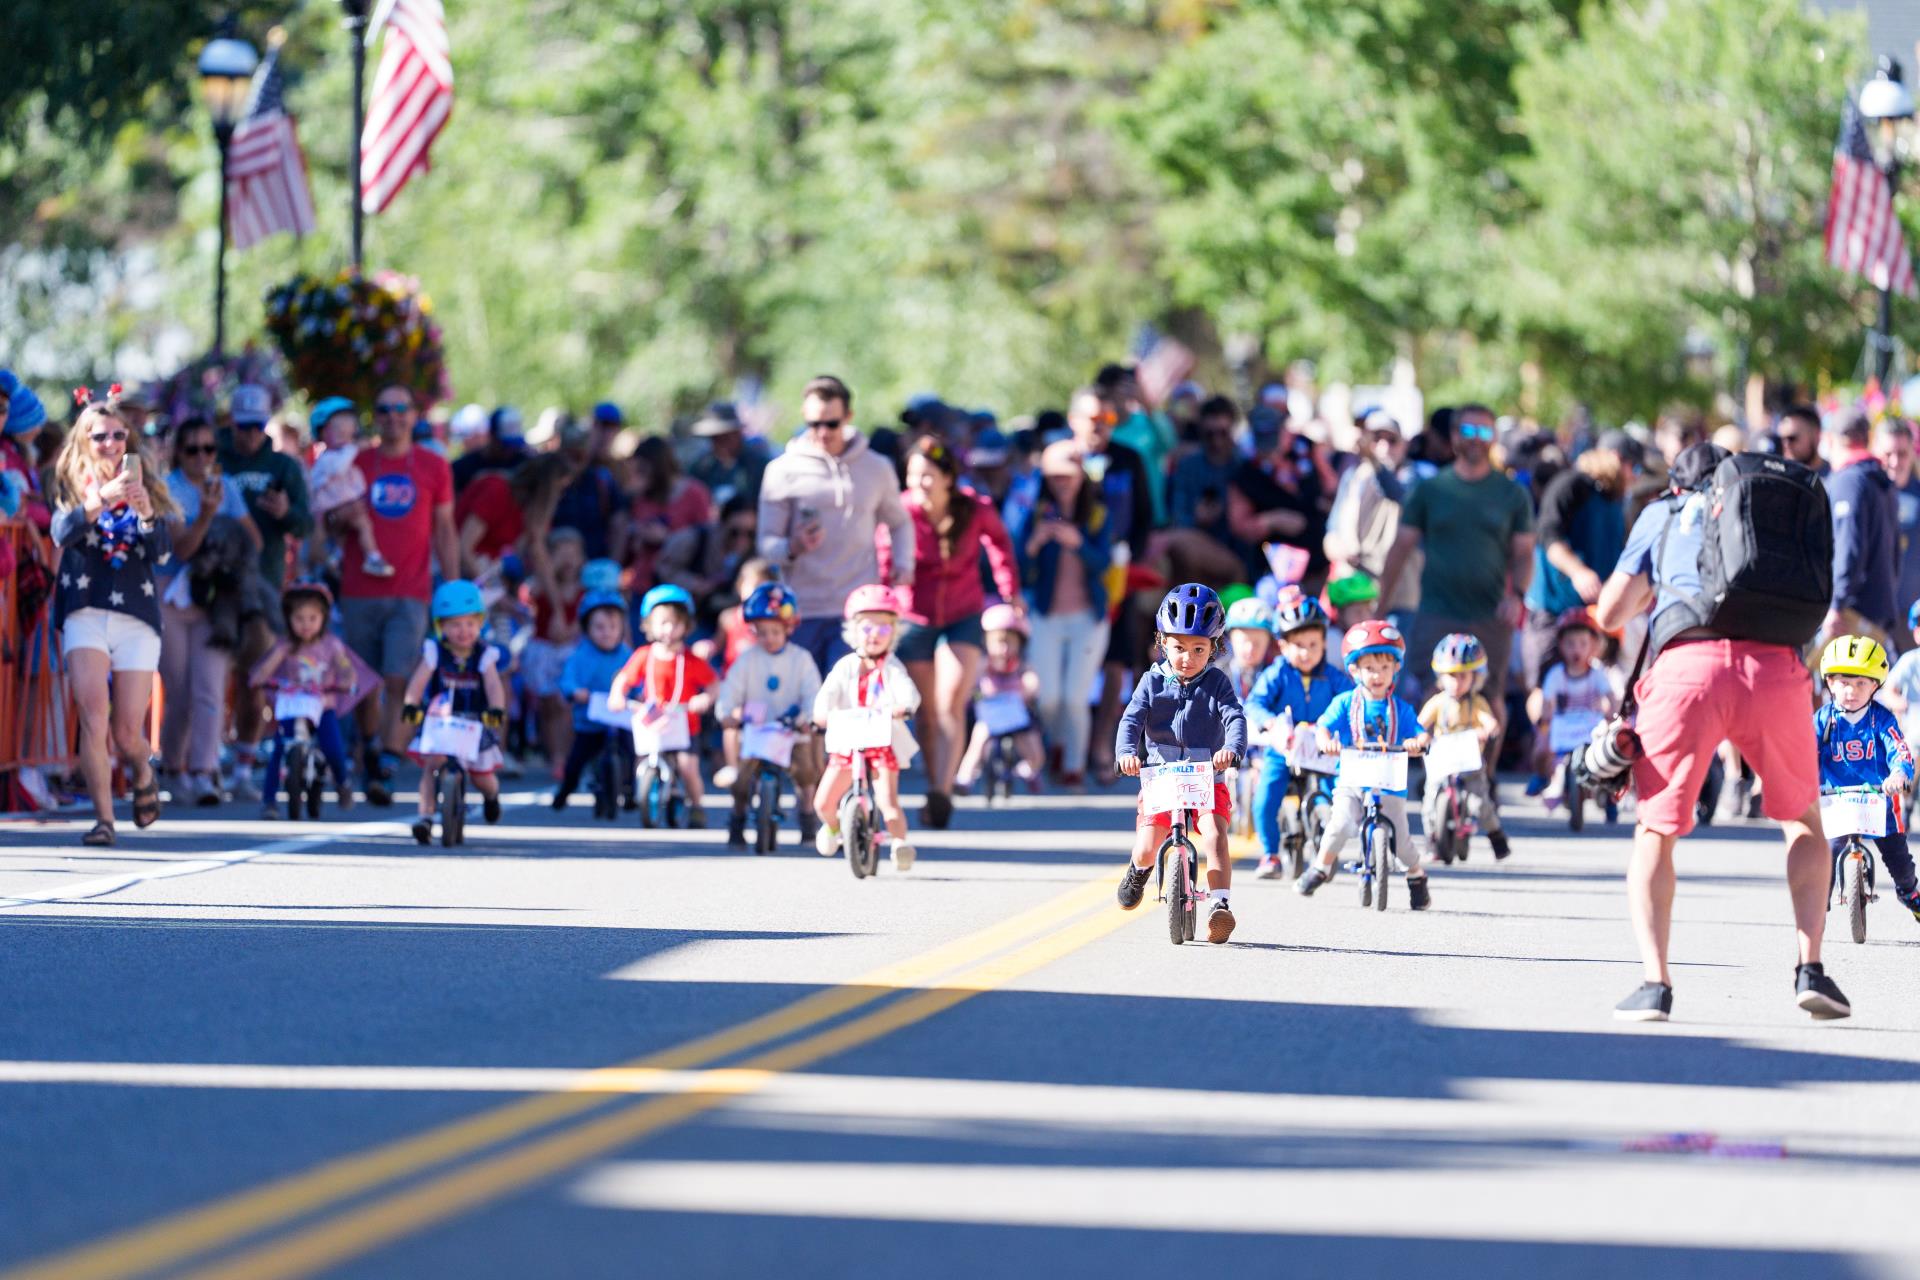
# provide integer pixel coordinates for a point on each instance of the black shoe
(939, 810)
(1310, 879)
(1133, 886)
(696, 818)
(605, 810)
(1818, 994)
(560, 802)
(377, 793)
(809, 828)
(1651, 1003)
(736, 830)
(423, 830)
(490, 808)
(1498, 839)
(1418, 899)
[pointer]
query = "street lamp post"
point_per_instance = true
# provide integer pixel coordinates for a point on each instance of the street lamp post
(1886, 101)
(356, 25)
(226, 70)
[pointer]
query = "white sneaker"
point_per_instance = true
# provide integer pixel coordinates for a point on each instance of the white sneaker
(724, 777)
(902, 856)
(826, 840)
(377, 566)
(243, 787)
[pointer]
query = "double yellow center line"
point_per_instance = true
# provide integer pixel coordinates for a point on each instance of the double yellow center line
(937, 979)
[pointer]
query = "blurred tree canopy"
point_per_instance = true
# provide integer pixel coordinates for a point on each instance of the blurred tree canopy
(656, 200)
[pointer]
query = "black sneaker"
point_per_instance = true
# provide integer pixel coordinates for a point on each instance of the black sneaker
(1818, 994)
(1651, 1003)
(1498, 839)
(1418, 899)
(1310, 879)
(423, 830)
(736, 830)
(377, 792)
(560, 802)
(1911, 901)
(1133, 885)
(938, 811)
(1220, 922)
(696, 818)
(490, 808)
(809, 827)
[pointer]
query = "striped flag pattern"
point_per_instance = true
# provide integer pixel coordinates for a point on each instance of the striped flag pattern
(1863, 235)
(267, 190)
(412, 97)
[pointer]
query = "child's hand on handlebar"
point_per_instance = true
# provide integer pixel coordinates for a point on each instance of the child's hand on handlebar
(1128, 765)
(1224, 759)
(1329, 745)
(901, 713)
(1418, 746)
(1895, 784)
(582, 697)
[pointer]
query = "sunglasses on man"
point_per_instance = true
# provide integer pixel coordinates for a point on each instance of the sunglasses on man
(393, 407)
(1474, 431)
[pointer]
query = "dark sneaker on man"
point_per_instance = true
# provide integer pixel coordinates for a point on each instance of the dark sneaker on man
(1133, 886)
(1310, 879)
(1818, 994)
(423, 830)
(1220, 923)
(736, 830)
(560, 803)
(378, 793)
(1653, 1002)
(1418, 898)
(696, 818)
(1498, 839)
(490, 808)
(1270, 868)
(809, 827)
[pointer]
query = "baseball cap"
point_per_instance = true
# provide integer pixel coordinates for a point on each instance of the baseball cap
(607, 414)
(1265, 425)
(250, 406)
(1381, 420)
(470, 421)
(989, 449)
(575, 433)
(504, 423)
(720, 419)
(1619, 442)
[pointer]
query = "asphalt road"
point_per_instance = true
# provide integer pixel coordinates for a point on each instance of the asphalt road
(243, 1049)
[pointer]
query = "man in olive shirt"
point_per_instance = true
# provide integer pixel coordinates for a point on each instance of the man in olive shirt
(1476, 528)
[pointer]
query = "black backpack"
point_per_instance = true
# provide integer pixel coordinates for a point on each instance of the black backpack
(1766, 560)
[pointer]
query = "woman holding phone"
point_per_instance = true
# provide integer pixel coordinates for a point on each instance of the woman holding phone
(194, 672)
(113, 532)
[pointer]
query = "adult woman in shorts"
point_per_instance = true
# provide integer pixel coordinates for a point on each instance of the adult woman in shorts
(943, 652)
(111, 521)
(1701, 689)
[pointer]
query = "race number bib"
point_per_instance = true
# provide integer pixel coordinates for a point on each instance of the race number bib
(1570, 731)
(291, 704)
(852, 729)
(660, 730)
(1305, 754)
(1174, 788)
(600, 713)
(454, 736)
(769, 742)
(1454, 753)
(1853, 813)
(1003, 713)
(1376, 770)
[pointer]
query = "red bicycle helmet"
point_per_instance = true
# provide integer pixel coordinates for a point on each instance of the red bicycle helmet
(1375, 635)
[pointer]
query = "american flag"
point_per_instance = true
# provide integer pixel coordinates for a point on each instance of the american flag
(1863, 235)
(266, 173)
(1163, 363)
(412, 97)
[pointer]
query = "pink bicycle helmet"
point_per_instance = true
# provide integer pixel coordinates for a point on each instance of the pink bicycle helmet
(1004, 617)
(872, 598)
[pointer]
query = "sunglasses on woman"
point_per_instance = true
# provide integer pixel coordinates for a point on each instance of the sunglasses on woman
(102, 437)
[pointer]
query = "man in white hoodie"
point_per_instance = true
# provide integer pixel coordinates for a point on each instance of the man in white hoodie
(821, 502)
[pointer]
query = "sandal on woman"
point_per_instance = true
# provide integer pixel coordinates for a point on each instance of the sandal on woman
(146, 802)
(100, 837)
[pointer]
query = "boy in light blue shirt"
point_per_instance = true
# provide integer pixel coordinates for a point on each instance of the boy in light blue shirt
(591, 667)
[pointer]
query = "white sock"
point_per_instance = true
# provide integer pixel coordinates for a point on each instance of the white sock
(1220, 896)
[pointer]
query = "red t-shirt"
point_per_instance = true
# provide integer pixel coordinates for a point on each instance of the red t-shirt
(401, 495)
(665, 678)
(490, 499)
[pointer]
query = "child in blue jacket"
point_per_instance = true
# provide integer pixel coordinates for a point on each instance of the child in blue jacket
(1301, 687)
(1861, 746)
(1184, 708)
(598, 657)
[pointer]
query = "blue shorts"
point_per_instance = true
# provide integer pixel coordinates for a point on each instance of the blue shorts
(919, 643)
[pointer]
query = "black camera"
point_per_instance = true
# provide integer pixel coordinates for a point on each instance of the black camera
(1604, 767)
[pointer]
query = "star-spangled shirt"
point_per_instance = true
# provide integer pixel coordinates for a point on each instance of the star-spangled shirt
(86, 579)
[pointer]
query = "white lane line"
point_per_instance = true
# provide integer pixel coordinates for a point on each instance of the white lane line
(1639, 1200)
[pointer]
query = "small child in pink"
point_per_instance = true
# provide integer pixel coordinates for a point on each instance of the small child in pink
(1006, 674)
(338, 487)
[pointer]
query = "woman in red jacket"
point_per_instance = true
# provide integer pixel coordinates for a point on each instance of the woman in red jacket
(945, 648)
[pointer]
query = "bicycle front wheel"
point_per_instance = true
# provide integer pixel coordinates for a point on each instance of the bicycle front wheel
(1857, 895)
(1380, 856)
(1179, 892)
(767, 827)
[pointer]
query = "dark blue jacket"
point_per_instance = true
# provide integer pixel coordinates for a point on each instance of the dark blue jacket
(1170, 720)
(1866, 538)
(1037, 572)
(1282, 688)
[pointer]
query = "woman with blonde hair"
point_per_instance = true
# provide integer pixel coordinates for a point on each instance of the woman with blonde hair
(112, 526)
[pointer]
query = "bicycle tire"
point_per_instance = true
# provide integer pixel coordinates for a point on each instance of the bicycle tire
(676, 810)
(990, 772)
(1193, 891)
(1576, 801)
(293, 772)
(767, 820)
(1366, 864)
(315, 797)
(1316, 827)
(451, 799)
(1383, 839)
(651, 805)
(1178, 894)
(1857, 896)
(856, 827)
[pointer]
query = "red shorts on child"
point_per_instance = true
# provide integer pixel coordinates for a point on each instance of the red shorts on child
(877, 758)
(1222, 806)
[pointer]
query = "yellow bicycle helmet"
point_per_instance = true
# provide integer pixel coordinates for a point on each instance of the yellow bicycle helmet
(1854, 656)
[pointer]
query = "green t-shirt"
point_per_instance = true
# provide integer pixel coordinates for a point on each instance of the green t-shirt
(1466, 529)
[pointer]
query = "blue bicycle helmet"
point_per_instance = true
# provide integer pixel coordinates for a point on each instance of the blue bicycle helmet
(771, 602)
(665, 593)
(1298, 616)
(600, 575)
(1191, 609)
(1913, 617)
(457, 598)
(602, 600)
(1250, 615)
(1458, 653)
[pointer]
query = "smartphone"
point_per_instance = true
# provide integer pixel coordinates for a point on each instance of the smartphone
(130, 466)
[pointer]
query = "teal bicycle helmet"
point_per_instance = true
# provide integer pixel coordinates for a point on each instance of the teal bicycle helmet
(457, 599)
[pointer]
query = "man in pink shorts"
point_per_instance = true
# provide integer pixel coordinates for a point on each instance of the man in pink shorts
(1700, 690)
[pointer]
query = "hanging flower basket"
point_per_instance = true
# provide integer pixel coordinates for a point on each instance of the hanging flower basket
(203, 388)
(352, 335)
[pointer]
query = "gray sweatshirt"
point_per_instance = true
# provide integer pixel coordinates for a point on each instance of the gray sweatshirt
(849, 496)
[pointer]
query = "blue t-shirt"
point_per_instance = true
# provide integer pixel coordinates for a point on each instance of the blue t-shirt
(187, 494)
(1860, 753)
(1376, 721)
(1677, 576)
(591, 668)
(1904, 680)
